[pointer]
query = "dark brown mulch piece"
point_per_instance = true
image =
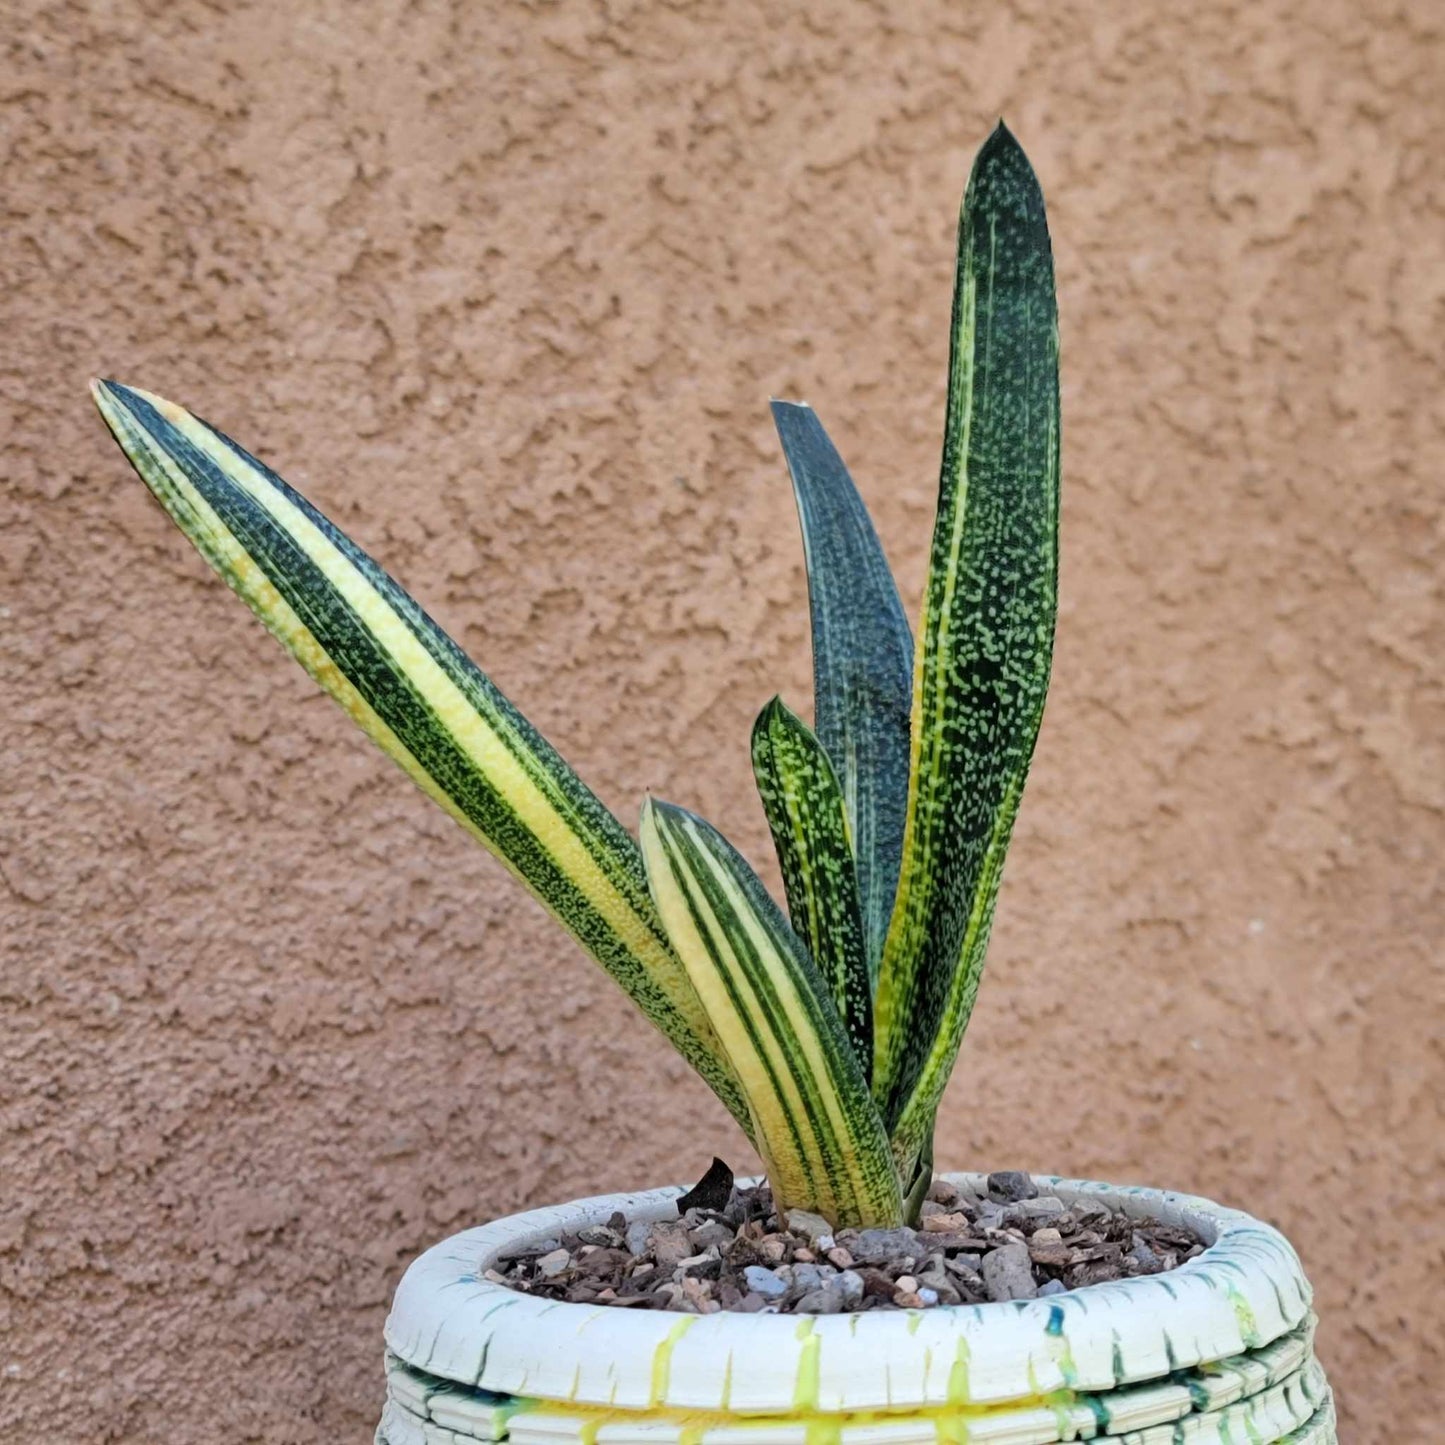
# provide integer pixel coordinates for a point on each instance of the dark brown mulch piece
(712, 1191)
(734, 1253)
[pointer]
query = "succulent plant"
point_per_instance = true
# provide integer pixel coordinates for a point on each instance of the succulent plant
(829, 1031)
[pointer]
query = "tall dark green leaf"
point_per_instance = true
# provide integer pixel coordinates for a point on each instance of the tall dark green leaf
(862, 660)
(987, 635)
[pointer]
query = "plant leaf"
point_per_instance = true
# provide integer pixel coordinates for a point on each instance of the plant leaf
(418, 695)
(986, 638)
(862, 660)
(814, 1121)
(809, 823)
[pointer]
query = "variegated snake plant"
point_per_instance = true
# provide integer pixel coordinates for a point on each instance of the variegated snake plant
(829, 1032)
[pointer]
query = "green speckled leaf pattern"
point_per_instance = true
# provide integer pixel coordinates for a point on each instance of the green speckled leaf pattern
(862, 660)
(809, 822)
(987, 635)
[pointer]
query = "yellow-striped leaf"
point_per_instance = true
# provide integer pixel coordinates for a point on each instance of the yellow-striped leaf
(417, 695)
(986, 639)
(809, 822)
(814, 1121)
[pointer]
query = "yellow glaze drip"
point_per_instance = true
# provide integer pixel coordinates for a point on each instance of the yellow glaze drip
(958, 1393)
(662, 1358)
(805, 1390)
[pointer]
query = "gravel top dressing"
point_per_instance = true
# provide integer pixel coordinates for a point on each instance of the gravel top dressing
(728, 1250)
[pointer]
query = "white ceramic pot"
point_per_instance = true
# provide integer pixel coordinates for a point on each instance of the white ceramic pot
(1216, 1352)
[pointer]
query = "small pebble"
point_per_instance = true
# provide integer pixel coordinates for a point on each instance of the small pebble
(1044, 1208)
(1052, 1286)
(771, 1248)
(927, 1296)
(808, 1277)
(600, 1235)
(1008, 1273)
(764, 1282)
(819, 1302)
(807, 1224)
(938, 1284)
(988, 1215)
(944, 1193)
(945, 1223)
(551, 1265)
(1144, 1257)
(882, 1246)
(714, 1233)
(668, 1243)
(840, 1258)
(1008, 1186)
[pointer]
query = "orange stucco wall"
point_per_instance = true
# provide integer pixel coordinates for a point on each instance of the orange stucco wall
(505, 288)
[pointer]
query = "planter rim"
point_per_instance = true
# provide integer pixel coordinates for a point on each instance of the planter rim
(1244, 1291)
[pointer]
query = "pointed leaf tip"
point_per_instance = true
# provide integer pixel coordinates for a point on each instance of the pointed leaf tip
(1002, 144)
(103, 391)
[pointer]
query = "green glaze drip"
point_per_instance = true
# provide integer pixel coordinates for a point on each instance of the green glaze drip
(914, 1321)
(1061, 1350)
(1248, 1325)
(662, 1359)
(1064, 1421)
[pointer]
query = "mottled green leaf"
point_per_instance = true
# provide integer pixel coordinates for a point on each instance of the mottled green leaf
(986, 639)
(809, 822)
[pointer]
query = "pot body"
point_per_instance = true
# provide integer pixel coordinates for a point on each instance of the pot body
(1216, 1352)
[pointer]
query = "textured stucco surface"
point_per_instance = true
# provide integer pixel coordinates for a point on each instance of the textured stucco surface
(505, 289)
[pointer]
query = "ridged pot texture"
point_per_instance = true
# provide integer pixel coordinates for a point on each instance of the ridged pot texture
(1216, 1352)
